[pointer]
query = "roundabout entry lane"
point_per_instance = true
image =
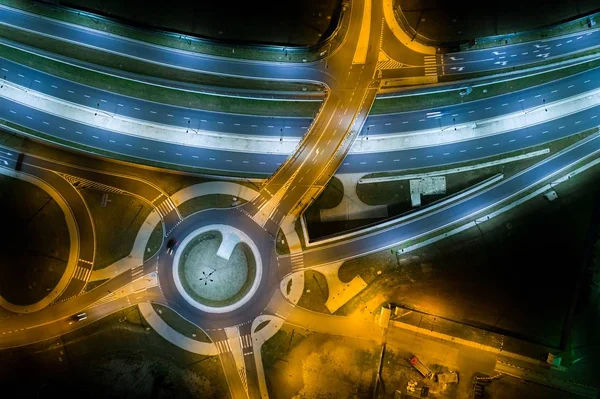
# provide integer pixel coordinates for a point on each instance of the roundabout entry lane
(267, 284)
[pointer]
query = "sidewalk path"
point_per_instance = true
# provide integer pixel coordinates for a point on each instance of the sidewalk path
(174, 337)
(400, 34)
(136, 256)
(73, 246)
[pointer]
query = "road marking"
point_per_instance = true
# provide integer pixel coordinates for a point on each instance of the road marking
(511, 141)
(504, 105)
(544, 132)
(223, 346)
(528, 136)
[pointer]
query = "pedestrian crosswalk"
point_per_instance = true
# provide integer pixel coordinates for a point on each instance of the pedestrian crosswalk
(165, 207)
(83, 272)
(246, 341)
(430, 62)
(297, 260)
(223, 346)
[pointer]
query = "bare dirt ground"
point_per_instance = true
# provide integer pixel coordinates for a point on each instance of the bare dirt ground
(318, 365)
(111, 359)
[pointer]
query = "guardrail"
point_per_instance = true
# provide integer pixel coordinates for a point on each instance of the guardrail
(224, 48)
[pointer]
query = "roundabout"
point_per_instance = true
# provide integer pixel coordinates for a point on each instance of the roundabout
(217, 268)
(219, 275)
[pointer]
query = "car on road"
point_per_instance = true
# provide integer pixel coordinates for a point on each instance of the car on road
(171, 245)
(77, 317)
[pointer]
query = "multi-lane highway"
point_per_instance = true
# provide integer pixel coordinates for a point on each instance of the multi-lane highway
(351, 77)
(249, 125)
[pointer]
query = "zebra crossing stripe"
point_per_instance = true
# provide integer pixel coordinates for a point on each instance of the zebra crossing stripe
(82, 273)
(223, 346)
(246, 341)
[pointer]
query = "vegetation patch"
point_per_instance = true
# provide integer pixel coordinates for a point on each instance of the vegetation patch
(179, 324)
(34, 249)
(117, 221)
